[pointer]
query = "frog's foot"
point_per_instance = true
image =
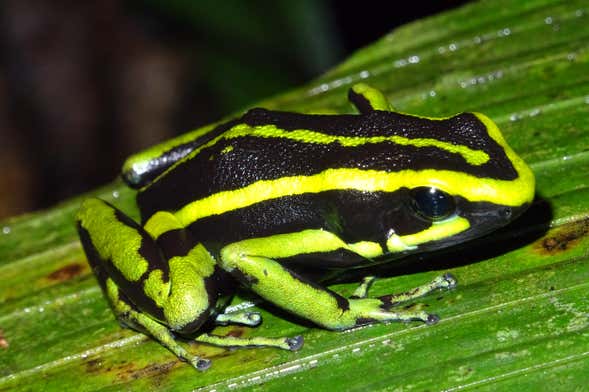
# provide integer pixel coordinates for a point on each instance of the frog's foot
(251, 319)
(383, 308)
(128, 316)
(291, 344)
(370, 310)
(444, 282)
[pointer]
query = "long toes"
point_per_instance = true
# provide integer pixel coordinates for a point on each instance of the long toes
(450, 280)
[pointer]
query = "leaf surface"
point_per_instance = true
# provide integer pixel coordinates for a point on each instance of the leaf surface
(520, 315)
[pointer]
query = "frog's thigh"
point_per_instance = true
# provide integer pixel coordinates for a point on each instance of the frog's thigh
(115, 245)
(284, 288)
(121, 250)
(172, 291)
(123, 257)
(294, 293)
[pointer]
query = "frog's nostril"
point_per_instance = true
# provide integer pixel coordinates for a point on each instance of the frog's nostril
(505, 213)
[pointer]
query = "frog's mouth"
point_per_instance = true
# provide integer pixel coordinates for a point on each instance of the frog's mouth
(472, 220)
(486, 218)
(438, 231)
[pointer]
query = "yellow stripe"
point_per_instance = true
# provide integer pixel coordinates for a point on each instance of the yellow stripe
(437, 231)
(375, 97)
(473, 157)
(520, 166)
(140, 162)
(293, 244)
(161, 222)
(509, 193)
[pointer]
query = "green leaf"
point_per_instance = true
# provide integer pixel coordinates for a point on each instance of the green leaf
(520, 315)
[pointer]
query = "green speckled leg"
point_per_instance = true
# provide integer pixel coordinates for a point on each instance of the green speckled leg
(126, 314)
(251, 319)
(141, 321)
(291, 344)
(283, 287)
(154, 292)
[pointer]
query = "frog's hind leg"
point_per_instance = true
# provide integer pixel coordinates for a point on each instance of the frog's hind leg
(128, 315)
(123, 258)
(158, 290)
(300, 296)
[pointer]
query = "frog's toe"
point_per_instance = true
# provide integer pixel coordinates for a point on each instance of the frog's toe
(295, 343)
(254, 319)
(201, 363)
(432, 319)
(450, 280)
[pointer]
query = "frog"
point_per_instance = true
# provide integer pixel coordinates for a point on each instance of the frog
(260, 201)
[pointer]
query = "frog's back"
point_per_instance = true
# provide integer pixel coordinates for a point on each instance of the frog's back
(284, 167)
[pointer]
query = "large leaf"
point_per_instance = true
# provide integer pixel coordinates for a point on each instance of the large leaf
(519, 317)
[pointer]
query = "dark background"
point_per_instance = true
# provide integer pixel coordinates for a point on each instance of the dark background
(84, 84)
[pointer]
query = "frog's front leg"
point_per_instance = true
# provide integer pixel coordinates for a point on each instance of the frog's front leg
(294, 293)
(251, 319)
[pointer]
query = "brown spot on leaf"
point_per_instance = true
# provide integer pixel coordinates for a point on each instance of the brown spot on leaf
(3, 342)
(67, 272)
(564, 237)
(236, 332)
(153, 369)
(93, 366)
(127, 371)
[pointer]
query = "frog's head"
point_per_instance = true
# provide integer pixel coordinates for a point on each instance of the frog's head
(486, 189)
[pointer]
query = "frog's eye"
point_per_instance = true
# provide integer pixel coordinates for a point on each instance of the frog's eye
(432, 203)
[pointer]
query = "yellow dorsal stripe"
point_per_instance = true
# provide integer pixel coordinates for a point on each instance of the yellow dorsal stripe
(510, 193)
(473, 157)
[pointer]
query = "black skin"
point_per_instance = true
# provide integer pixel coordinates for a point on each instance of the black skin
(252, 158)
